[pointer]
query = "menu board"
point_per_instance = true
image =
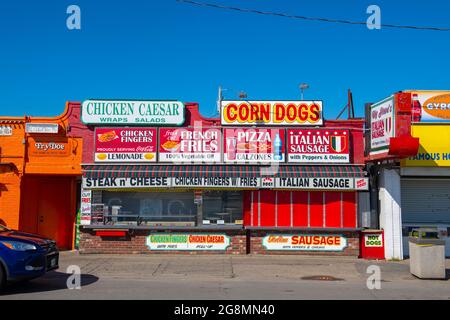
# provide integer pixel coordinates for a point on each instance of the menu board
(318, 146)
(254, 145)
(125, 145)
(190, 144)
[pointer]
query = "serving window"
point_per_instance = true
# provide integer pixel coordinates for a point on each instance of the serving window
(222, 207)
(167, 208)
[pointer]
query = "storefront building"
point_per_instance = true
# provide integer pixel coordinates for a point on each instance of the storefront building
(425, 177)
(265, 177)
(413, 190)
(40, 174)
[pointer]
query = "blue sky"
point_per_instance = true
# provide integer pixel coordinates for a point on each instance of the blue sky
(168, 50)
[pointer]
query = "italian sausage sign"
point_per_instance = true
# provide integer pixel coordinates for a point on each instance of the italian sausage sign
(382, 119)
(292, 113)
(318, 146)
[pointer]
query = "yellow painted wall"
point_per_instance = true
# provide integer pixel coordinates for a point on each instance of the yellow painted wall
(434, 149)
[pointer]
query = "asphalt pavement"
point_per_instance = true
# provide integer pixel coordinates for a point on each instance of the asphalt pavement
(186, 277)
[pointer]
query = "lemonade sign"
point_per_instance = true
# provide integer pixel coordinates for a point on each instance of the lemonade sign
(125, 145)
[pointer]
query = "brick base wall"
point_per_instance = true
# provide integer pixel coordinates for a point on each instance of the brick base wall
(242, 242)
(134, 242)
(256, 247)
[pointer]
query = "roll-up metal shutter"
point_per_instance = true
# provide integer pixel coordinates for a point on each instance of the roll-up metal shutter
(425, 201)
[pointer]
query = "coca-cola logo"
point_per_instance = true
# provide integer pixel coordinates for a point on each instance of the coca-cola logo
(144, 149)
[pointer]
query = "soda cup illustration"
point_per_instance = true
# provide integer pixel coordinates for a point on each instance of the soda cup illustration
(416, 110)
(277, 147)
(231, 148)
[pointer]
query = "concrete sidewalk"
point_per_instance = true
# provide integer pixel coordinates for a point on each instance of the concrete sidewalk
(164, 276)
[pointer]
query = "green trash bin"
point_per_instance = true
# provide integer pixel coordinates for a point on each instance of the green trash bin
(426, 254)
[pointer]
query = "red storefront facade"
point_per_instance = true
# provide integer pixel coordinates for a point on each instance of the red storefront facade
(291, 200)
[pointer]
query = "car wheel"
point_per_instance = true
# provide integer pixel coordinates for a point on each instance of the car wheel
(2, 277)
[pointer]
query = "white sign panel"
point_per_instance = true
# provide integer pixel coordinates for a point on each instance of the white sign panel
(41, 128)
(382, 123)
(5, 131)
(117, 183)
(216, 182)
(85, 207)
(373, 240)
(318, 183)
(228, 182)
(186, 241)
(304, 242)
(132, 112)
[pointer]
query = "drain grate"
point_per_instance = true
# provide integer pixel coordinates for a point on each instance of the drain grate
(322, 278)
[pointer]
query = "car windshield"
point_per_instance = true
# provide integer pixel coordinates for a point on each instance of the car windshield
(3, 228)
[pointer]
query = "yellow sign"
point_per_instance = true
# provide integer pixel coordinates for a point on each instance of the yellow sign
(434, 149)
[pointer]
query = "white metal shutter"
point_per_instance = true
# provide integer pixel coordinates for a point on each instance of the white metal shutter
(425, 201)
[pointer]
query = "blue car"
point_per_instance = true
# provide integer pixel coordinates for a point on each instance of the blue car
(25, 256)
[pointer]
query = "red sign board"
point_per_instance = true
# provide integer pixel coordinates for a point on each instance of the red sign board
(318, 146)
(254, 145)
(125, 145)
(190, 144)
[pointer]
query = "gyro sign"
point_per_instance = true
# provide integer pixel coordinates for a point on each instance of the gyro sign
(132, 112)
(292, 113)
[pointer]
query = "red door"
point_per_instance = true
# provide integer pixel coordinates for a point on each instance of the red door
(54, 210)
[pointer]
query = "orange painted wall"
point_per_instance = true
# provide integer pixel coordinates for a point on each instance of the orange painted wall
(23, 170)
(12, 151)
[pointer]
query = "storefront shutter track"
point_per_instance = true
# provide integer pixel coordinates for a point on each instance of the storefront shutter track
(300, 208)
(333, 209)
(316, 209)
(425, 201)
(349, 209)
(284, 208)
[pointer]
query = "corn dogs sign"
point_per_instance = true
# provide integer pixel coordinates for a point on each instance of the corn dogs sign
(292, 113)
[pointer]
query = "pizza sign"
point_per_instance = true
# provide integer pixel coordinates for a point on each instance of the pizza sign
(318, 146)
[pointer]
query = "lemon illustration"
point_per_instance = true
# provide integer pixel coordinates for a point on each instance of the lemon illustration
(149, 156)
(101, 156)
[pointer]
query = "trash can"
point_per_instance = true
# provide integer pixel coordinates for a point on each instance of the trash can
(426, 254)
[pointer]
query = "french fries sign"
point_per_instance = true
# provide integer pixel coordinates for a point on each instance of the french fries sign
(291, 113)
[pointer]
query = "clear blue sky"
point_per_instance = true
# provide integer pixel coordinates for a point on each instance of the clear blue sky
(168, 50)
